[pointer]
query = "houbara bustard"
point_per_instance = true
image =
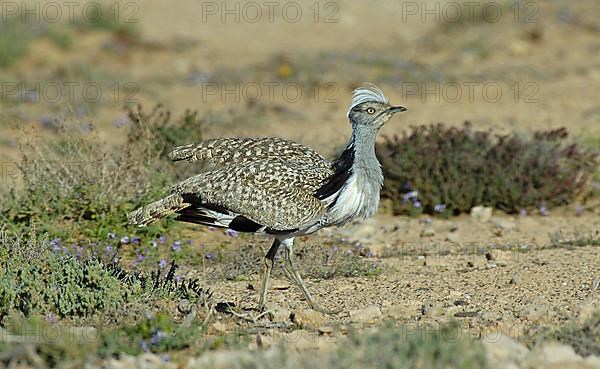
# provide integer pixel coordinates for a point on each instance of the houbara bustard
(280, 188)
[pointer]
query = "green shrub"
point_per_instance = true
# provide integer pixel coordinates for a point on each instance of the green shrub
(41, 277)
(454, 169)
(407, 347)
(36, 279)
(15, 37)
(79, 185)
(583, 337)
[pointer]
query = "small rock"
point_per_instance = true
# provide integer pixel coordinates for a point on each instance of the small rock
(534, 312)
(399, 312)
(453, 237)
(149, 360)
(482, 213)
(326, 329)
(279, 285)
(432, 309)
(515, 279)
(308, 318)
(491, 316)
(503, 351)
(503, 224)
(366, 315)
(428, 232)
(554, 355)
(377, 250)
(279, 314)
(466, 314)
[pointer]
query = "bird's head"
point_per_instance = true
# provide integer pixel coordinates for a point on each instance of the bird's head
(371, 108)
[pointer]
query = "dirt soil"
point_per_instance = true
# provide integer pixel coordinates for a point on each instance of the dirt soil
(506, 273)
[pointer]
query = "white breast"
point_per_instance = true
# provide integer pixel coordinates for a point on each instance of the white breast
(358, 199)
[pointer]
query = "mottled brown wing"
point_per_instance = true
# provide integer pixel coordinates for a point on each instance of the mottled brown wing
(227, 151)
(271, 192)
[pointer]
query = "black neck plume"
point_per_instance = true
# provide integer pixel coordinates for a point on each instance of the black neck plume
(342, 167)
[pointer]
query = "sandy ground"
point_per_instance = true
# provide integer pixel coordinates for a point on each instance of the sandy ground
(553, 63)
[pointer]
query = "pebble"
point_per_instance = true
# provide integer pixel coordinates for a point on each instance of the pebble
(504, 224)
(325, 329)
(482, 213)
(453, 237)
(534, 312)
(308, 318)
(279, 314)
(503, 352)
(366, 315)
(428, 232)
(515, 279)
(554, 355)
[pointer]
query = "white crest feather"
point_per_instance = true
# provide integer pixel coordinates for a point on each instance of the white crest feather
(367, 93)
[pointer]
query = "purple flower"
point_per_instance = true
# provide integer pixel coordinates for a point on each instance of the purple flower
(417, 204)
(439, 208)
(55, 244)
(176, 246)
(153, 244)
(120, 122)
(136, 240)
(124, 240)
(231, 233)
(579, 210)
(162, 239)
(177, 278)
(211, 228)
(109, 248)
(209, 256)
(139, 258)
(523, 212)
(157, 337)
(544, 210)
(112, 236)
(412, 195)
(162, 263)
(144, 346)
(166, 358)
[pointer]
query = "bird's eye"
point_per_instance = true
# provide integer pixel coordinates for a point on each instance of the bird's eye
(370, 110)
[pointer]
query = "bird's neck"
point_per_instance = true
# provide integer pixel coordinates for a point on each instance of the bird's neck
(363, 143)
(353, 190)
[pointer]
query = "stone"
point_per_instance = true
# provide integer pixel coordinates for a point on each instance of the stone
(503, 352)
(428, 232)
(534, 312)
(279, 314)
(366, 315)
(433, 309)
(504, 224)
(453, 237)
(400, 311)
(377, 250)
(481, 213)
(553, 355)
(308, 318)
(326, 329)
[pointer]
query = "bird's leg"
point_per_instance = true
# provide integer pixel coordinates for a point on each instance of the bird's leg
(293, 274)
(269, 262)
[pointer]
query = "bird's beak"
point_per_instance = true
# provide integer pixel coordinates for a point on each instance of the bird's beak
(396, 109)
